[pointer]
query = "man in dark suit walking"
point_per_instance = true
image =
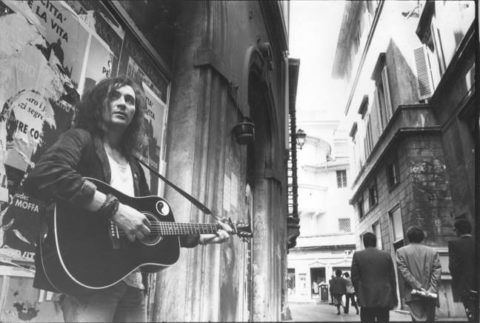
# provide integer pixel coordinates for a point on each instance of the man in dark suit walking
(373, 277)
(461, 253)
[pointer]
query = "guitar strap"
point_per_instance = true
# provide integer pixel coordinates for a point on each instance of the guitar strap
(193, 200)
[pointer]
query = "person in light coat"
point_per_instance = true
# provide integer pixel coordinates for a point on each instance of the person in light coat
(420, 268)
(350, 295)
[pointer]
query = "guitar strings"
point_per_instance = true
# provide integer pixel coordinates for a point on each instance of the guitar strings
(173, 228)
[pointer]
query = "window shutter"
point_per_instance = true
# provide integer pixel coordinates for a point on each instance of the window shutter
(370, 136)
(368, 141)
(365, 148)
(376, 114)
(386, 90)
(424, 76)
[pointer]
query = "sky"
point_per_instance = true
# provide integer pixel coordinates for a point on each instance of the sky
(314, 27)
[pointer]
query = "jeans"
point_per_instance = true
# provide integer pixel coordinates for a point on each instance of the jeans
(118, 303)
(374, 314)
(350, 297)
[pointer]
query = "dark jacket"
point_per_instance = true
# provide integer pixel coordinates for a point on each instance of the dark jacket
(461, 255)
(373, 277)
(338, 286)
(59, 177)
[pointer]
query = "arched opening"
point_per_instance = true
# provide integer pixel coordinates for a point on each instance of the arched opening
(259, 165)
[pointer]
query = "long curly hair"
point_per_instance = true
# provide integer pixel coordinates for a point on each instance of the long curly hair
(90, 113)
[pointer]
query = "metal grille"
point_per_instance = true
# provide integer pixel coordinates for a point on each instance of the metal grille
(341, 178)
(344, 225)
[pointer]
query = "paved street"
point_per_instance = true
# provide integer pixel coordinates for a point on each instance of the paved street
(310, 312)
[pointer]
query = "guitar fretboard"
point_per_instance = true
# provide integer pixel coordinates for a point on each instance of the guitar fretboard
(178, 229)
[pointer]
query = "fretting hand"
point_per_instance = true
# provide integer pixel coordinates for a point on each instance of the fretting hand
(220, 236)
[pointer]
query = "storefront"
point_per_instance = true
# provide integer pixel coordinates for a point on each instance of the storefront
(309, 274)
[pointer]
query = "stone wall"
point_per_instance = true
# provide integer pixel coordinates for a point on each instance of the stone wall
(431, 207)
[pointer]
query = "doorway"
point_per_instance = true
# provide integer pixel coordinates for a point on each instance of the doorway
(317, 277)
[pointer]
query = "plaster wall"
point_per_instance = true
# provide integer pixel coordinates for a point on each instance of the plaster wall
(213, 48)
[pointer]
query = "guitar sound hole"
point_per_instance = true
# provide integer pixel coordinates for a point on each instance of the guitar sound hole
(154, 237)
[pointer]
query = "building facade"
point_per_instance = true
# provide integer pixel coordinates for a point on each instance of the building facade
(408, 69)
(326, 242)
(209, 69)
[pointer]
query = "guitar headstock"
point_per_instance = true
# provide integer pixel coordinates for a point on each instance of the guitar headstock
(242, 230)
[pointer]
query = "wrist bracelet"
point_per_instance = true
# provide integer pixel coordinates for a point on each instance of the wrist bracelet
(109, 207)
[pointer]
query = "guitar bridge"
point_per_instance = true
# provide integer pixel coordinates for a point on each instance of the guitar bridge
(114, 236)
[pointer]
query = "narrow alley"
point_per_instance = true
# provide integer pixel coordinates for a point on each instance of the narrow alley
(323, 312)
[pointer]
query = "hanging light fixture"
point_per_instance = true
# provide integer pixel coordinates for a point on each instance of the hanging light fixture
(244, 131)
(300, 137)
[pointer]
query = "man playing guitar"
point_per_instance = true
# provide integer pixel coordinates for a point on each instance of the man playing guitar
(108, 132)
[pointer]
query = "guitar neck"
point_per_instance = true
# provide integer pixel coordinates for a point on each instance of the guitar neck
(179, 229)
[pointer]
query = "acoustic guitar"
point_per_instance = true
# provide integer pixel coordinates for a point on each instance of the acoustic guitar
(82, 251)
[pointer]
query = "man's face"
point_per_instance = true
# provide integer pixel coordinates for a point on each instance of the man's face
(120, 108)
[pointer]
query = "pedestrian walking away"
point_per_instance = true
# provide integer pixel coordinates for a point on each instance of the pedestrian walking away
(330, 289)
(338, 287)
(373, 277)
(98, 152)
(420, 268)
(461, 255)
(350, 295)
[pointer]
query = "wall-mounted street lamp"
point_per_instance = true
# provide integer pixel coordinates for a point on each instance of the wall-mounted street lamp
(244, 131)
(300, 136)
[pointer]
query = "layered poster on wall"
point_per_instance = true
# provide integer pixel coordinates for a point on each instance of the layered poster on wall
(155, 120)
(99, 62)
(46, 53)
(65, 34)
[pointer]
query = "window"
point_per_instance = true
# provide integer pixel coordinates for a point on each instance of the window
(344, 225)
(438, 48)
(360, 208)
(382, 91)
(378, 232)
(392, 174)
(385, 106)
(341, 178)
(372, 195)
(353, 131)
(396, 224)
(302, 278)
(291, 279)
(363, 106)
(428, 33)
(424, 73)
(368, 144)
